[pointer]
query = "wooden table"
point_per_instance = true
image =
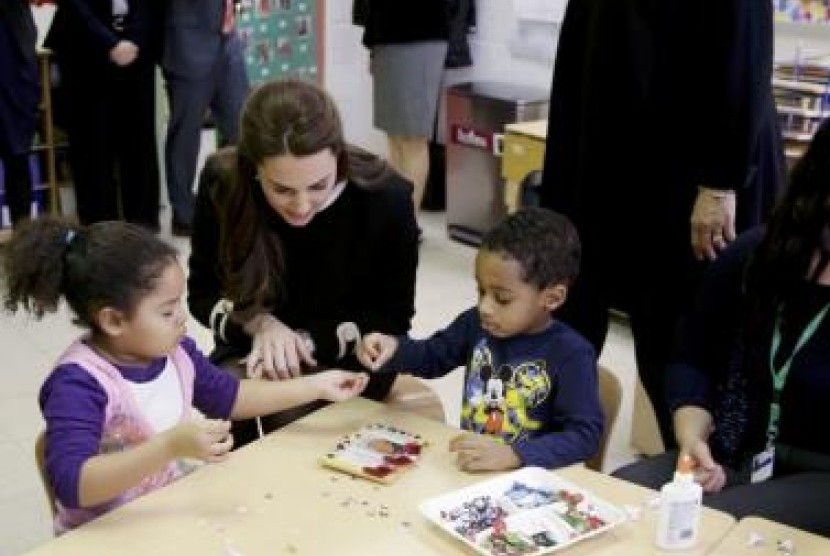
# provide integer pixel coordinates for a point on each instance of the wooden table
(523, 152)
(272, 498)
(736, 542)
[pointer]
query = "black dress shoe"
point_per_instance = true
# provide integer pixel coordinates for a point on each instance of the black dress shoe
(181, 229)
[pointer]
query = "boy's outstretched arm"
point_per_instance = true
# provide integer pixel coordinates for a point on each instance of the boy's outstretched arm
(430, 358)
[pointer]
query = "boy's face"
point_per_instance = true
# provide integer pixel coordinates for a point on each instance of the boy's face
(507, 304)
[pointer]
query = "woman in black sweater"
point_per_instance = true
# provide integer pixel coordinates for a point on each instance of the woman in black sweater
(295, 236)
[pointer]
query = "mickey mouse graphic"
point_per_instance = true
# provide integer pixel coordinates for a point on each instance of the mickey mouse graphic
(494, 402)
(497, 402)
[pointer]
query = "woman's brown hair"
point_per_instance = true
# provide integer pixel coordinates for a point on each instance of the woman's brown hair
(286, 117)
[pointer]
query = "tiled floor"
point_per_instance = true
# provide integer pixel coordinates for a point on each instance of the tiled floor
(28, 348)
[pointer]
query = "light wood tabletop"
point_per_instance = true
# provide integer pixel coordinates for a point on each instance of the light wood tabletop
(755, 536)
(272, 497)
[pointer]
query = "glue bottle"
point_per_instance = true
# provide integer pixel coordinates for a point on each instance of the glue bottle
(680, 503)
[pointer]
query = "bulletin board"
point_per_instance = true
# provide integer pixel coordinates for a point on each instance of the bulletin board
(282, 38)
(802, 11)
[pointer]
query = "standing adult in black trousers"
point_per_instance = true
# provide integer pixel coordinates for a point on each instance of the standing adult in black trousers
(19, 94)
(103, 50)
(662, 144)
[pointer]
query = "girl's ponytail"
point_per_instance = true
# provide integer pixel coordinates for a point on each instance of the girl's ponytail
(35, 264)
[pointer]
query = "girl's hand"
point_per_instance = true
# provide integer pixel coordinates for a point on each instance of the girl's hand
(277, 351)
(476, 452)
(204, 439)
(708, 473)
(376, 350)
(337, 386)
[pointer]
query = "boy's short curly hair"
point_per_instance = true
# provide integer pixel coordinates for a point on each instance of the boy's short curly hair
(545, 244)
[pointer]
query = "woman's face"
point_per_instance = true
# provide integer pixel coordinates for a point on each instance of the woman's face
(298, 187)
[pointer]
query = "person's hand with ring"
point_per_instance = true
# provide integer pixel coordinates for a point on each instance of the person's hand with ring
(712, 222)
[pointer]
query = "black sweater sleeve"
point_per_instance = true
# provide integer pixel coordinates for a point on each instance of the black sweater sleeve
(708, 338)
(385, 297)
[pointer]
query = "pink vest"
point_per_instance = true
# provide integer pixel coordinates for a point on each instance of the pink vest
(124, 426)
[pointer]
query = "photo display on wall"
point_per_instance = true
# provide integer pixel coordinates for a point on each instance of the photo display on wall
(803, 11)
(281, 38)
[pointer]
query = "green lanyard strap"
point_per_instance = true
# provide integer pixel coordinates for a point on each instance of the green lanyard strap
(779, 377)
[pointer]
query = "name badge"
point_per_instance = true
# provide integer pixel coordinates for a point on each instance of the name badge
(762, 465)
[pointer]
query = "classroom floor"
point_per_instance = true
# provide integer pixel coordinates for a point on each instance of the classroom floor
(445, 287)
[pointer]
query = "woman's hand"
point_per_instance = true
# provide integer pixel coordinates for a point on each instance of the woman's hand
(199, 438)
(124, 53)
(277, 351)
(376, 350)
(337, 386)
(713, 222)
(708, 473)
(692, 427)
(476, 452)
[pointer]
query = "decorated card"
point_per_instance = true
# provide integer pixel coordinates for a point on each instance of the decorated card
(378, 452)
(529, 511)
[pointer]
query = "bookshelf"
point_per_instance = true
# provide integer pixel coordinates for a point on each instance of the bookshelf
(802, 97)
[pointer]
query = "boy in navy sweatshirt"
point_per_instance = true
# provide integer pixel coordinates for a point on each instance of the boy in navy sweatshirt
(530, 389)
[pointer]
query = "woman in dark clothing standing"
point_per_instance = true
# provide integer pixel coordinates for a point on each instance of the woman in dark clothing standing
(104, 50)
(300, 243)
(19, 95)
(661, 113)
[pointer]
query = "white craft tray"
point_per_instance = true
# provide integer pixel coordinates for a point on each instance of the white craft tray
(446, 511)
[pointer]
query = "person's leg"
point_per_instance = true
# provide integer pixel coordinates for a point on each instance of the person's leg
(407, 84)
(231, 91)
(654, 321)
(586, 307)
(796, 500)
(652, 472)
(189, 99)
(90, 149)
(18, 183)
(135, 130)
(410, 157)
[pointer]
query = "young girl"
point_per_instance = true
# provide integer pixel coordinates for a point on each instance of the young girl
(118, 404)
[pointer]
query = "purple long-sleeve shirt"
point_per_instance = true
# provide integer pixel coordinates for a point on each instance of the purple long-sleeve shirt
(74, 403)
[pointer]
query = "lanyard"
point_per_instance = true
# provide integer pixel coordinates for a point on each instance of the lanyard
(779, 377)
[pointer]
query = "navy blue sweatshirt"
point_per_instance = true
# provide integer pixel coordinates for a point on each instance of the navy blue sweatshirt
(537, 392)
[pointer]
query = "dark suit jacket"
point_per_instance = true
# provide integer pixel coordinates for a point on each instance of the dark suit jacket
(19, 92)
(192, 37)
(82, 29)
